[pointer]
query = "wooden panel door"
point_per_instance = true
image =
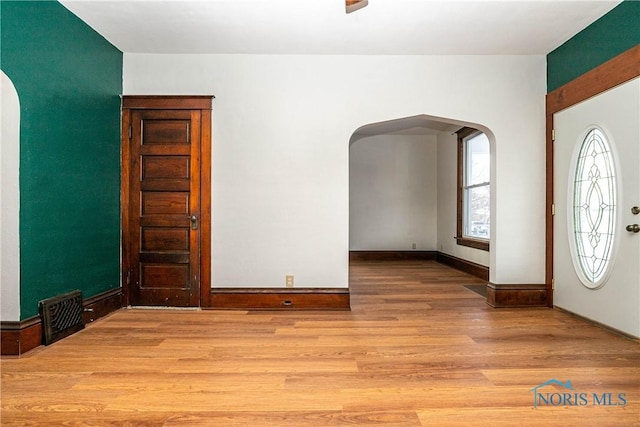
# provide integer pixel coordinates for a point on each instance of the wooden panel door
(163, 239)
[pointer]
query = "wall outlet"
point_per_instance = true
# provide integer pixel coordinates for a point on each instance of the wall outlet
(413, 246)
(289, 281)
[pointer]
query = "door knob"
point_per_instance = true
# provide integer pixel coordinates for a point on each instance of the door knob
(633, 228)
(635, 210)
(194, 222)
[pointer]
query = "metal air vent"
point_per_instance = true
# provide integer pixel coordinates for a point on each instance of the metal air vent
(61, 316)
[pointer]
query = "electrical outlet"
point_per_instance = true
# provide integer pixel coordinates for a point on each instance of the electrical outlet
(289, 281)
(413, 246)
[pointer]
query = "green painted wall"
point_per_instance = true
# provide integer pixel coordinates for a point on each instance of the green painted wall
(68, 78)
(609, 36)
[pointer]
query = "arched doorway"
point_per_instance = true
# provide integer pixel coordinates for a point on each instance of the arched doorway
(10, 201)
(403, 198)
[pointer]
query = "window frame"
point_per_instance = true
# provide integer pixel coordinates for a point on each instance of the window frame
(461, 239)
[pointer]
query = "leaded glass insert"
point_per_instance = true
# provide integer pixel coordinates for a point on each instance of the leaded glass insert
(594, 207)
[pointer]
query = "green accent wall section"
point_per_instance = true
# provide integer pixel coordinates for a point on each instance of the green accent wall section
(609, 36)
(69, 79)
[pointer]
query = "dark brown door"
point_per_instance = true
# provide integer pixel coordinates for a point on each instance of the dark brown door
(165, 208)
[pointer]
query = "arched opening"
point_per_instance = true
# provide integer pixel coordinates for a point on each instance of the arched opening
(9, 201)
(403, 189)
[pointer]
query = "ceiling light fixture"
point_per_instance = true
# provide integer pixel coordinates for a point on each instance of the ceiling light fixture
(353, 5)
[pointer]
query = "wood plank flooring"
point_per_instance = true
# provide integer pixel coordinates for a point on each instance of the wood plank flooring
(417, 349)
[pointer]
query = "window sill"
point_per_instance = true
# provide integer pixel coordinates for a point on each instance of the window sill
(473, 243)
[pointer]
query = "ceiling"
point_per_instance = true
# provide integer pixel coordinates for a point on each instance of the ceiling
(416, 125)
(384, 27)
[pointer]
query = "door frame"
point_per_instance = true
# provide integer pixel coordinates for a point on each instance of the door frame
(163, 102)
(616, 71)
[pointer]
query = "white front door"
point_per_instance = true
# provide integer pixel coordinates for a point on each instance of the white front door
(594, 192)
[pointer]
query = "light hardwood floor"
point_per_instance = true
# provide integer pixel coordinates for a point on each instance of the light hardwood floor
(417, 349)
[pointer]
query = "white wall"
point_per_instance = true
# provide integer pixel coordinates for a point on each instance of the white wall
(281, 134)
(393, 193)
(9, 201)
(447, 202)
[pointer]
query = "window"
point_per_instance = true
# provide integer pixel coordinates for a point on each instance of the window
(474, 207)
(592, 221)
